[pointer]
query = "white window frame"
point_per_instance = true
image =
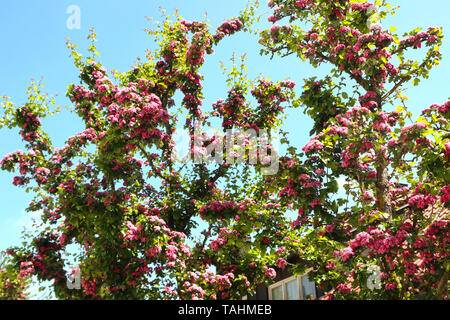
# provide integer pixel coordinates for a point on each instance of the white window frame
(283, 284)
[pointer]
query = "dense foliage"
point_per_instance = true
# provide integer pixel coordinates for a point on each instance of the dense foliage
(13, 283)
(116, 189)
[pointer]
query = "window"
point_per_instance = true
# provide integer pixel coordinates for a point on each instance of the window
(308, 288)
(292, 292)
(292, 288)
(277, 292)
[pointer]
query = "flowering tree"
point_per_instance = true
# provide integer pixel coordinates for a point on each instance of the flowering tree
(116, 189)
(12, 282)
(389, 237)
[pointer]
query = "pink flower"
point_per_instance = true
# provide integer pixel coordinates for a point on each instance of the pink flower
(343, 288)
(381, 126)
(420, 243)
(265, 240)
(275, 28)
(288, 84)
(390, 286)
(422, 201)
(367, 196)
(270, 272)
(133, 231)
(315, 202)
(272, 19)
(418, 125)
(410, 268)
(171, 252)
(301, 4)
(363, 238)
(312, 145)
(294, 224)
(62, 239)
(281, 263)
(445, 194)
(304, 176)
(346, 253)
(26, 268)
(338, 130)
(447, 149)
(153, 251)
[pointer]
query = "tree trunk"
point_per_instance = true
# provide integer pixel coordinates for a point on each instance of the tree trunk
(382, 185)
(443, 286)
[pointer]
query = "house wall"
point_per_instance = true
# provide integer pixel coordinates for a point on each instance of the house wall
(262, 291)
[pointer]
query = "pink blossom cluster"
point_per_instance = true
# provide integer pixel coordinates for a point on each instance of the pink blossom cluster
(344, 288)
(228, 28)
(153, 251)
(302, 4)
(89, 286)
(361, 239)
(270, 272)
(436, 229)
(141, 120)
(413, 127)
(133, 231)
(289, 190)
(171, 252)
(445, 191)
(215, 244)
(416, 40)
(315, 202)
(26, 268)
(347, 253)
(30, 124)
(421, 201)
(235, 112)
(11, 159)
(443, 109)
(200, 44)
(390, 285)
(361, 6)
(382, 242)
(220, 207)
(281, 263)
(338, 130)
(232, 110)
(276, 29)
(313, 144)
(384, 121)
(133, 107)
(193, 26)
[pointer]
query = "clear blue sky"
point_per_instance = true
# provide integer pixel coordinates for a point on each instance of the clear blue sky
(32, 37)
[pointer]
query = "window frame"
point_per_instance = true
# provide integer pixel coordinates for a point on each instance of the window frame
(283, 284)
(301, 283)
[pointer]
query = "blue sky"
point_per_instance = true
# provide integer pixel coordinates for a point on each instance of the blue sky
(32, 37)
